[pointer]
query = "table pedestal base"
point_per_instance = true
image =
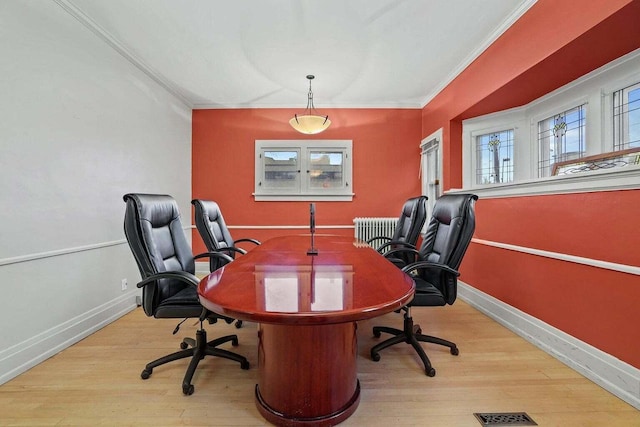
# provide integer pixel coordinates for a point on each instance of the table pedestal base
(307, 374)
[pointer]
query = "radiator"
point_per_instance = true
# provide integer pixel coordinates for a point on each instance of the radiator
(369, 227)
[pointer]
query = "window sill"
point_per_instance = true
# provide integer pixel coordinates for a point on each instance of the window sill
(303, 197)
(603, 180)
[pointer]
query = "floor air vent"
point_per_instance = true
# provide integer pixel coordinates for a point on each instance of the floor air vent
(505, 419)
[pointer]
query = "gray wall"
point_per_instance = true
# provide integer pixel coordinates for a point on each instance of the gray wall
(79, 127)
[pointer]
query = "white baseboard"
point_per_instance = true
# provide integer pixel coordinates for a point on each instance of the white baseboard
(34, 350)
(612, 374)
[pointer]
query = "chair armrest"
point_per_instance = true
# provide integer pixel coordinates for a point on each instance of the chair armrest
(254, 241)
(182, 276)
(216, 255)
(398, 243)
(429, 265)
(373, 239)
(233, 249)
(397, 254)
(190, 279)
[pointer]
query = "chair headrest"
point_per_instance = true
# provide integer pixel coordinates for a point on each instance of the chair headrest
(157, 209)
(451, 206)
(208, 208)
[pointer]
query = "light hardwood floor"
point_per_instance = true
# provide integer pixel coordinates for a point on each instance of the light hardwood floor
(97, 381)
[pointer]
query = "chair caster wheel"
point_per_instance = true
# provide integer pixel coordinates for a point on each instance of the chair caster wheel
(244, 365)
(146, 373)
(375, 357)
(238, 324)
(188, 389)
(376, 333)
(430, 372)
(184, 345)
(455, 351)
(234, 342)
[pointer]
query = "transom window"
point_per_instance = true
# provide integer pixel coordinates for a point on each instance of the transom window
(303, 170)
(561, 138)
(494, 155)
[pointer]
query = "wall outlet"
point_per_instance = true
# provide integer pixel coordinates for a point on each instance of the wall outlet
(124, 284)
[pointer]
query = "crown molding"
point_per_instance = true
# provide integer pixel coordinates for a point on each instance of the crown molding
(154, 75)
(390, 105)
(524, 7)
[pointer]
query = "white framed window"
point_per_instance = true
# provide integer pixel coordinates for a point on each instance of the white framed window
(584, 136)
(304, 170)
(490, 157)
(494, 157)
(626, 118)
(561, 138)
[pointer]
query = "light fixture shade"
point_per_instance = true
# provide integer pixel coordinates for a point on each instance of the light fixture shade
(310, 124)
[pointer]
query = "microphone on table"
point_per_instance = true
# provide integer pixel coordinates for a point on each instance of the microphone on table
(312, 228)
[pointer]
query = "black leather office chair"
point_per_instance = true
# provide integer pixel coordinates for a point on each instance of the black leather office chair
(169, 286)
(434, 270)
(408, 227)
(214, 232)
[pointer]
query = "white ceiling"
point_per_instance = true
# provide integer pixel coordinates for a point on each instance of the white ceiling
(256, 53)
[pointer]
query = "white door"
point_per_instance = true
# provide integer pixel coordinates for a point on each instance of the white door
(431, 169)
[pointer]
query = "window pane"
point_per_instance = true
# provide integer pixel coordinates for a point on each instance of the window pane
(494, 154)
(288, 170)
(281, 169)
(561, 138)
(626, 118)
(325, 169)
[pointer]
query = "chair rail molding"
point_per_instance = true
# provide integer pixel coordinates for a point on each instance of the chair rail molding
(66, 251)
(287, 227)
(59, 252)
(622, 268)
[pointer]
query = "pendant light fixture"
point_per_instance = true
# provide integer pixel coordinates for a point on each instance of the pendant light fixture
(310, 122)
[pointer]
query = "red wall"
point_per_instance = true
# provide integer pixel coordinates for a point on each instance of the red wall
(595, 305)
(386, 161)
(551, 45)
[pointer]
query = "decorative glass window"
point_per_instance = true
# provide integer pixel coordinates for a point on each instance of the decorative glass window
(613, 159)
(303, 170)
(494, 156)
(553, 142)
(561, 138)
(626, 118)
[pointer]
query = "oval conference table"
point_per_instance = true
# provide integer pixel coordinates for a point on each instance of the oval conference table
(307, 307)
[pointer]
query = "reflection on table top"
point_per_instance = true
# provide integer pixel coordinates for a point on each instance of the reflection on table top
(277, 282)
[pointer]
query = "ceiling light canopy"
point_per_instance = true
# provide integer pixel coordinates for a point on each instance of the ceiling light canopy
(310, 122)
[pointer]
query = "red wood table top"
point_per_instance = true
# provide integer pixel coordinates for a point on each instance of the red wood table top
(277, 282)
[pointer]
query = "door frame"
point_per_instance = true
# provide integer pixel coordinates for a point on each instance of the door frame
(429, 146)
